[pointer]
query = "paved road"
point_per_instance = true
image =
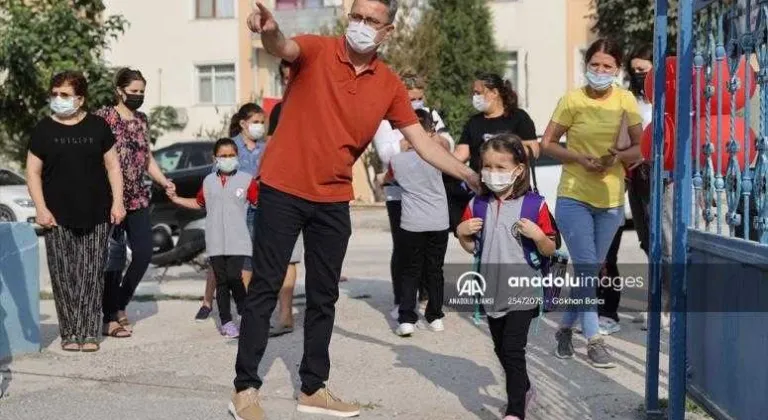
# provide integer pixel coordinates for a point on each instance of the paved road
(174, 368)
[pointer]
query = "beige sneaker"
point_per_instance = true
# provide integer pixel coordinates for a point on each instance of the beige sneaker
(323, 402)
(246, 405)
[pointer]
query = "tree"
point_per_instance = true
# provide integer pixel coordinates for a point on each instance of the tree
(161, 120)
(38, 39)
(630, 22)
(465, 48)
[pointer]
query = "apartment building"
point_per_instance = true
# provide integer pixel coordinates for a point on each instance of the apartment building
(543, 44)
(199, 57)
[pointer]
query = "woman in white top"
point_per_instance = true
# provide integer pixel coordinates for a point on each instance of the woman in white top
(389, 142)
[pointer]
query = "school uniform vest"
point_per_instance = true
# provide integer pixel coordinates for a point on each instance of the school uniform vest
(503, 258)
(226, 232)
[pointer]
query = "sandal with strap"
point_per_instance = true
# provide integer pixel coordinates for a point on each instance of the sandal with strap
(90, 345)
(117, 332)
(70, 344)
(126, 324)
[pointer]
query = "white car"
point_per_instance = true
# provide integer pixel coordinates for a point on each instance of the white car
(548, 171)
(15, 203)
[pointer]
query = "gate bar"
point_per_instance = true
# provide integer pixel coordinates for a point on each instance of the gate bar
(652, 409)
(683, 187)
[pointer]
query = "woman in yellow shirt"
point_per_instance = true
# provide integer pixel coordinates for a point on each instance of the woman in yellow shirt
(590, 202)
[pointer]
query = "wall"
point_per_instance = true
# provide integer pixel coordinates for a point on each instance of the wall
(166, 42)
(579, 36)
(541, 54)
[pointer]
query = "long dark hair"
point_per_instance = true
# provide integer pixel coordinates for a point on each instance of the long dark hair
(246, 111)
(643, 52)
(513, 145)
(505, 89)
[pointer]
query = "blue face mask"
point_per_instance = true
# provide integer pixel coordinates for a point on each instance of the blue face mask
(63, 107)
(599, 81)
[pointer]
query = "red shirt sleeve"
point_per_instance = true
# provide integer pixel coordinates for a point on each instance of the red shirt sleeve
(544, 222)
(467, 213)
(201, 197)
(253, 192)
(309, 47)
(400, 113)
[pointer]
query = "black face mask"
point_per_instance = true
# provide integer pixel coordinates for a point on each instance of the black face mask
(133, 102)
(637, 83)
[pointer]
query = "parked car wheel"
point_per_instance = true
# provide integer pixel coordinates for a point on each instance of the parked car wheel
(6, 214)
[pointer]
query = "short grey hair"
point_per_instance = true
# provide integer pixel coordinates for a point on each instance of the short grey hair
(393, 6)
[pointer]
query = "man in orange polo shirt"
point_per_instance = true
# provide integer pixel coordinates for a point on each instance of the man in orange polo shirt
(338, 94)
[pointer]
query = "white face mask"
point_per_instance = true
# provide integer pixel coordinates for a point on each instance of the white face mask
(256, 130)
(498, 181)
(63, 107)
(227, 164)
(361, 37)
(479, 102)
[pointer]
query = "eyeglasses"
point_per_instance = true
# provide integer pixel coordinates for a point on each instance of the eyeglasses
(62, 95)
(357, 18)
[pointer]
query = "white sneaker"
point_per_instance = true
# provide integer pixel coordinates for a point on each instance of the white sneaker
(437, 325)
(395, 312)
(405, 329)
(665, 320)
(608, 326)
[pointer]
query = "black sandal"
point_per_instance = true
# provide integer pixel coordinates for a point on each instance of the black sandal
(90, 341)
(70, 344)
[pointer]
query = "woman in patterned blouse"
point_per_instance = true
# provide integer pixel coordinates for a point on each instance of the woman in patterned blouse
(131, 130)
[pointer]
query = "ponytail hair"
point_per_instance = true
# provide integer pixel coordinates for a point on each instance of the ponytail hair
(246, 111)
(505, 89)
(124, 77)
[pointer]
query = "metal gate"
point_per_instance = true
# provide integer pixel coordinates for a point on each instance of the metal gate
(719, 290)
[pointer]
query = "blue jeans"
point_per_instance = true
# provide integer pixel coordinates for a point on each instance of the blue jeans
(588, 233)
(250, 221)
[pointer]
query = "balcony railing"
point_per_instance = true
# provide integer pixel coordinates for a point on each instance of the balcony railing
(307, 16)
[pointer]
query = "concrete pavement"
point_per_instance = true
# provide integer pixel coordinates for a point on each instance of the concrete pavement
(174, 368)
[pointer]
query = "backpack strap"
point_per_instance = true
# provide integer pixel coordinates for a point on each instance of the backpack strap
(530, 210)
(480, 210)
(532, 165)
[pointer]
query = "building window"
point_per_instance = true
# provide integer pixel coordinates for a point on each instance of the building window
(511, 68)
(214, 9)
(216, 84)
(300, 4)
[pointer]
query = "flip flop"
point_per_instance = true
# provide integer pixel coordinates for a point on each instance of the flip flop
(90, 341)
(70, 344)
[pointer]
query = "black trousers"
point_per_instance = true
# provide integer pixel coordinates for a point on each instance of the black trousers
(394, 213)
(228, 271)
(422, 254)
(326, 228)
(611, 296)
(638, 189)
(510, 337)
(119, 288)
